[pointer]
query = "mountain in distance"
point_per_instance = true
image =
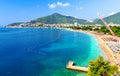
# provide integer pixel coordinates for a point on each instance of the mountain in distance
(15, 24)
(112, 18)
(61, 19)
(54, 19)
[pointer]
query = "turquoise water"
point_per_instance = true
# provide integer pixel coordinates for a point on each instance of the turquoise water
(44, 52)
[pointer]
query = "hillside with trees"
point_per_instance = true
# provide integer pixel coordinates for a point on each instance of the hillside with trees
(112, 18)
(59, 19)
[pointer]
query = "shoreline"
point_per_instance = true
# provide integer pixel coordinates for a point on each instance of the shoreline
(105, 49)
(108, 52)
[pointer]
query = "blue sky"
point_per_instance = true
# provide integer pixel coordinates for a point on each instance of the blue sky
(25, 10)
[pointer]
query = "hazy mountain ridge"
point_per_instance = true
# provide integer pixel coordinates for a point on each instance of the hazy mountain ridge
(61, 19)
(112, 18)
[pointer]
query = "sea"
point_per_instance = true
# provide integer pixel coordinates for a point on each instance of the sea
(45, 51)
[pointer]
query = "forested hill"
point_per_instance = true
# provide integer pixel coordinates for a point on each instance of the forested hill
(112, 18)
(59, 19)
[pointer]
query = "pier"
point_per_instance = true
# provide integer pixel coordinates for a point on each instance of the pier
(70, 66)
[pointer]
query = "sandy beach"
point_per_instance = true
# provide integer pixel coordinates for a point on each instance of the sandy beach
(109, 53)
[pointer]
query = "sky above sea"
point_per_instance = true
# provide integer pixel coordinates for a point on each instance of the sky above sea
(26, 10)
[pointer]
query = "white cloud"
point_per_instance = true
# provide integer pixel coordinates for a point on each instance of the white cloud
(54, 5)
(112, 13)
(75, 16)
(67, 15)
(79, 8)
(63, 4)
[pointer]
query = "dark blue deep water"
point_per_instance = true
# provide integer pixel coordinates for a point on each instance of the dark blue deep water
(44, 52)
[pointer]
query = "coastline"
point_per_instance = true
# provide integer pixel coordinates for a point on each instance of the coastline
(108, 52)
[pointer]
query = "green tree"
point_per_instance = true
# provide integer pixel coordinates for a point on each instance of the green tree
(100, 67)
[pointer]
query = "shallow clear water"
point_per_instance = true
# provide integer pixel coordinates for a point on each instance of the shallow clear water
(44, 52)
